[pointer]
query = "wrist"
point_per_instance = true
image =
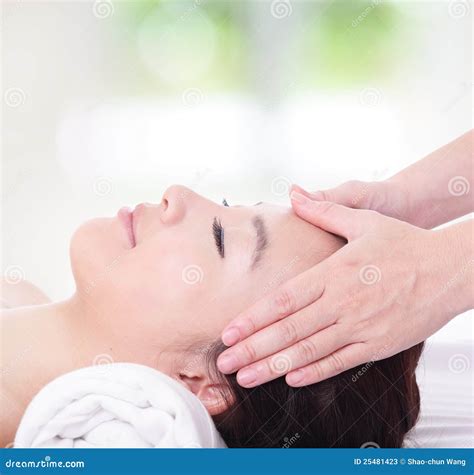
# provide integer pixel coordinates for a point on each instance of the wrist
(411, 202)
(394, 199)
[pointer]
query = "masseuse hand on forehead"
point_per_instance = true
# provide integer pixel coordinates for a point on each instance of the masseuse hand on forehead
(393, 285)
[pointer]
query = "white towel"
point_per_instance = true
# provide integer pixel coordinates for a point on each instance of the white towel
(116, 405)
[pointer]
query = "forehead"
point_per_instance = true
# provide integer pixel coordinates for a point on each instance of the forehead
(282, 221)
(291, 238)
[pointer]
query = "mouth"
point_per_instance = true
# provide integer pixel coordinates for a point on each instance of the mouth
(125, 216)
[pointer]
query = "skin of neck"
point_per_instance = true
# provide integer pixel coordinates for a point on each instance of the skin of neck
(44, 342)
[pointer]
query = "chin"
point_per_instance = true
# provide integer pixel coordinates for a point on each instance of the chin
(94, 246)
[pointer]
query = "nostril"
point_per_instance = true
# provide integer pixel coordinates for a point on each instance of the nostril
(165, 204)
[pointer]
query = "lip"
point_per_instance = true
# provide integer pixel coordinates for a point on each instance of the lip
(125, 216)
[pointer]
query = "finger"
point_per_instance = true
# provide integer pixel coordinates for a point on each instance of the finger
(290, 297)
(276, 337)
(313, 195)
(299, 355)
(335, 218)
(351, 194)
(341, 360)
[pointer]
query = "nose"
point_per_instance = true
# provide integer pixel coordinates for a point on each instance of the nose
(173, 204)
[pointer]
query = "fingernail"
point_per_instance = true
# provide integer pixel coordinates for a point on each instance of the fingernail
(230, 336)
(227, 363)
(247, 377)
(298, 197)
(295, 378)
(294, 187)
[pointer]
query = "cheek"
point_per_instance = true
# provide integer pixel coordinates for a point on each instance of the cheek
(157, 287)
(94, 246)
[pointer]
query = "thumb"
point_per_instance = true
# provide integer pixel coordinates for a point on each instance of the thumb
(353, 194)
(332, 217)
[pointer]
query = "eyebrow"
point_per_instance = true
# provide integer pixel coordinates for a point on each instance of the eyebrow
(262, 240)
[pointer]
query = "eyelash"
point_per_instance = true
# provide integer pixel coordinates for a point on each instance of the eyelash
(224, 202)
(218, 232)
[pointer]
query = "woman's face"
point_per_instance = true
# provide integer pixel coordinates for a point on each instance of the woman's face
(189, 268)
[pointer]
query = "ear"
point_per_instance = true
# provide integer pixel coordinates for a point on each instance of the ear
(216, 397)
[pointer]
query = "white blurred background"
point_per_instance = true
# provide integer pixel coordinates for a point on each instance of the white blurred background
(106, 103)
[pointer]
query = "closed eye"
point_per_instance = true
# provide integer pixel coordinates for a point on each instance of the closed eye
(218, 232)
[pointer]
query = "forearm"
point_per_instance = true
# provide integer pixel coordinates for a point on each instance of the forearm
(438, 187)
(456, 262)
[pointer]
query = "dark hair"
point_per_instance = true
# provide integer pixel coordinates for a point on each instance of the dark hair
(375, 404)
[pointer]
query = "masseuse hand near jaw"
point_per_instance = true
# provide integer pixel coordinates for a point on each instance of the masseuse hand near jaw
(393, 285)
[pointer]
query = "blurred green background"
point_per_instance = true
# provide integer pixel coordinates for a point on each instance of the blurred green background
(108, 102)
